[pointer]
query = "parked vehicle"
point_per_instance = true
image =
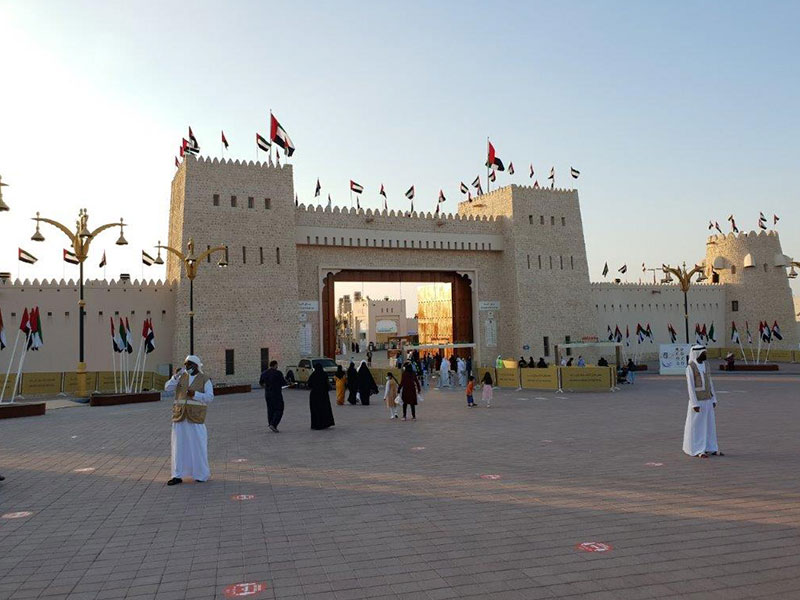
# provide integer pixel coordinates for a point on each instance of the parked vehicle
(300, 373)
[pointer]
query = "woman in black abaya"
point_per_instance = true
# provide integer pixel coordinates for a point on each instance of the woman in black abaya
(318, 401)
(352, 383)
(366, 383)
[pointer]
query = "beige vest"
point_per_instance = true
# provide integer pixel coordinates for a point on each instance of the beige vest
(184, 408)
(702, 389)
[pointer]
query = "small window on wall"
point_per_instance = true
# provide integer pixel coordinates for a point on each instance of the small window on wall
(233, 201)
(229, 362)
(734, 306)
(244, 255)
(546, 344)
(541, 219)
(264, 359)
(563, 221)
(278, 255)
(552, 220)
(530, 219)
(216, 200)
(733, 269)
(250, 202)
(566, 341)
(267, 203)
(261, 254)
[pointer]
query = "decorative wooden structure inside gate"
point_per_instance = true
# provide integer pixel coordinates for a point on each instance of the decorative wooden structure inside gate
(461, 286)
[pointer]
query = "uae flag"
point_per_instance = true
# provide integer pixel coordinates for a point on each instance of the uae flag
(717, 227)
(710, 225)
(115, 339)
(511, 168)
(493, 161)
(735, 338)
(747, 332)
(25, 323)
(2, 332)
(224, 140)
(775, 219)
(149, 336)
(356, 187)
(710, 334)
(278, 135)
(617, 334)
(193, 140)
(640, 335)
(649, 333)
(536, 184)
(574, 172)
(623, 269)
(766, 333)
(476, 183)
(188, 148)
(531, 171)
(262, 143)
(296, 199)
(177, 163)
(26, 257)
(762, 225)
(464, 188)
(410, 193)
(704, 333)
(147, 259)
(734, 228)
(610, 333)
(628, 335)
(673, 335)
(441, 197)
(358, 202)
(776, 331)
(36, 340)
(69, 257)
(492, 175)
(128, 337)
(552, 173)
(383, 191)
(605, 269)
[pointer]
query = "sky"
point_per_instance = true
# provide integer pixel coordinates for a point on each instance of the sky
(674, 113)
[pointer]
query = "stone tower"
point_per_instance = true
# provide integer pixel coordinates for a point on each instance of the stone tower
(753, 268)
(247, 307)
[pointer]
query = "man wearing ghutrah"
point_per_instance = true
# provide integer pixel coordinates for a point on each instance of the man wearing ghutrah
(193, 391)
(700, 431)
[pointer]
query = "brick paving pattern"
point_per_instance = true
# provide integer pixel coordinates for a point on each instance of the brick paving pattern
(389, 509)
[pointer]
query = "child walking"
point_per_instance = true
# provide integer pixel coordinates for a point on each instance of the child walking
(487, 391)
(390, 394)
(470, 390)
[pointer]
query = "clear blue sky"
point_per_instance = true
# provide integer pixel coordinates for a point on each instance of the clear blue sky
(675, 113)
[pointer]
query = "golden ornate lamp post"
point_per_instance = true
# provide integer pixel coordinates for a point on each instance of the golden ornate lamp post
(81, 240)
(3, 205)
(191, 262)
(685, 281)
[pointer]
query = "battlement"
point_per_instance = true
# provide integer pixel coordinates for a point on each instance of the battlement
(88, 284)
(391, 213)
(743, 235)
(236, 162)
(657, 287)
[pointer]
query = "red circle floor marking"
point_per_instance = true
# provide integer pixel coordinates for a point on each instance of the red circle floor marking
(653, 464)
(243, 497)
(594, 547)
(239, 460)
(240, 590)
(17, 515)
(84, 470)
(492, 477)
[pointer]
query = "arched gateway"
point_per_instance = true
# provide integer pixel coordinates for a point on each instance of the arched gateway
(515, 258)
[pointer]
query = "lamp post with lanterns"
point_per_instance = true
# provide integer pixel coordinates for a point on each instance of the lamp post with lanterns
(3, 205)
(190, 263)
(80, 240)
(685, 280)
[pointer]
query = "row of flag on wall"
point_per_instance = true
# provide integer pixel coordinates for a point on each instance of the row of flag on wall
(122, 337)
(765, 332)
(277, 136)
(71, 258)
(762, 223)
(642, 334)
(703, 334)
(30, 325)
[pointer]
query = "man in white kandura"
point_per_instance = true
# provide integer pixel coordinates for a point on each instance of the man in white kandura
(444, 373)
(700, 432)
(193, 391)
(461, 369)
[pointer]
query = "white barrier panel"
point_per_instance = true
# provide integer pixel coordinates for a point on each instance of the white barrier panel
(672, 358)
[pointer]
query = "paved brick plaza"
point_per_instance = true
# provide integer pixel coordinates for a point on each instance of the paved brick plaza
(381, 509)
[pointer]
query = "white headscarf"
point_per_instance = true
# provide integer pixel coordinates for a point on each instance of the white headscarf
(192, 358)
(696, 351)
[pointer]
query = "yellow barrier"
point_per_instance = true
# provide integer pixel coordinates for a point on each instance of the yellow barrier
(510, 363)
(70, 384)
(587, 378)
(12, 378)
(715, 352)
(159, 381)
(147, 380)
(507, 378)
(796, 356)
(41, 383)
(105, 381)
(782, 356)
(540, 379)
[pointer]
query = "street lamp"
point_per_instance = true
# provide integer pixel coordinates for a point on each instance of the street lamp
(3, 205)
(190, 262)
(80, 240)
(792, 274)
(685, 280)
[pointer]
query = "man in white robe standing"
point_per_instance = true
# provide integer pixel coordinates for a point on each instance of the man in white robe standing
(461, 369)
(193, 391)
(700, 431)
(444, 373)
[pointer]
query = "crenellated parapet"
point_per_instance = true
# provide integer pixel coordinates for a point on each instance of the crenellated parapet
(88, 284)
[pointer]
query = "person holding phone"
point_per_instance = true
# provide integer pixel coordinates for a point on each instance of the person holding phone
(193, 391)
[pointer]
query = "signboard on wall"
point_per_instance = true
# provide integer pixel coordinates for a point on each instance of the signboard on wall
(308, 305)
(490, 333)
(305, 339)
(489, 305)
(386, 326)
(672, 358)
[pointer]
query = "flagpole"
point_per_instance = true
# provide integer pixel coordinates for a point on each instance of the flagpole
(744, 356)
(8, 371)
(19, 368)
(141, 378)
(758, 357)
(488, 167)
(114, 367)
(766, 358)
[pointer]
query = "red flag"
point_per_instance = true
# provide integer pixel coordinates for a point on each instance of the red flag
(25, 324)
(224, 141)
(493, 161)
(177, 164)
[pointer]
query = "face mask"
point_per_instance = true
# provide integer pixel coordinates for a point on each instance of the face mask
(701, 358)
(192, 369)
